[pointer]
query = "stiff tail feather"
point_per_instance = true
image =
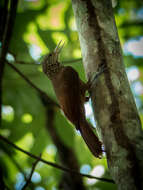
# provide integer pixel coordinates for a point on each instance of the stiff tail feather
(92, 141)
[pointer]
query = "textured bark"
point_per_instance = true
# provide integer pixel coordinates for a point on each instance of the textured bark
(113, 103)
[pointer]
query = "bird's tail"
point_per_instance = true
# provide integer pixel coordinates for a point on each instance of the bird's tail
(91, 139)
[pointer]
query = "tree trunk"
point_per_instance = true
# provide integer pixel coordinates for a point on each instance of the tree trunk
(113, 103)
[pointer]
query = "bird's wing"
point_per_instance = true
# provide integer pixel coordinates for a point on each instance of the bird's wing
(70, 100)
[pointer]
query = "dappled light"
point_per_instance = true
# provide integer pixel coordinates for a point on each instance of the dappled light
(27, 118)
(85, 169)
(134, 47)
(51, 149)
(39, 188)
(89, 113)
(88, 110)
(5, 132)
(8, 113)
(26, 142)
(19, 181)
(133, 73)
(33, 124)
(77, 53)
(140, 13)
(35, 52)
(137, 88)
(97, 171)
(36, 178)
(10, 57)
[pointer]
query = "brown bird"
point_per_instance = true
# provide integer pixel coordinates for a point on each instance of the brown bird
(70, 91)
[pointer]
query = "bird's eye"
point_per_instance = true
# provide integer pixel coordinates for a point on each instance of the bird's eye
(50, 54)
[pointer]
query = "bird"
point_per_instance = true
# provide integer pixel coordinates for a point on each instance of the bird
(70, 91)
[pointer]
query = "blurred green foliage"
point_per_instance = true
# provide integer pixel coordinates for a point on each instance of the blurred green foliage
(39, 26)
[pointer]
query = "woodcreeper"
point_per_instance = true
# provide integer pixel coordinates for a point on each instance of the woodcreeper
(70, 91)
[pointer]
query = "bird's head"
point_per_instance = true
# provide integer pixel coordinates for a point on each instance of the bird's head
(50, 62)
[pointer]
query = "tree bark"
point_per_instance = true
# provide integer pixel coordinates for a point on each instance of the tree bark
(113, 103)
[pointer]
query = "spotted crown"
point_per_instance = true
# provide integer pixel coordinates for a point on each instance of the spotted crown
(50, 65)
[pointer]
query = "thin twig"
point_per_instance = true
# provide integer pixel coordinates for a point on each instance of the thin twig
(27, 63)
(31, 173)
(15, 163)
(33, 85)
(24, 77)
(16, 61)
(71, 61)
(54, 164)
(38, 63)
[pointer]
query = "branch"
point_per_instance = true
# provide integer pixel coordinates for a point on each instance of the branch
(4, 11)
(38, 63)
(53, 164)
(31, 173)
(15, 163)
(8, 27)
(42, 93)
(6, 151)
(16, 61)
(27, 63)
(24, 77)
(71, 61)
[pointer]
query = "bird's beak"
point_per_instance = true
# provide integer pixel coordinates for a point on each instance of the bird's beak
(58, 49)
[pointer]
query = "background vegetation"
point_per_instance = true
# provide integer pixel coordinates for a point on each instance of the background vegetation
(39, 26)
